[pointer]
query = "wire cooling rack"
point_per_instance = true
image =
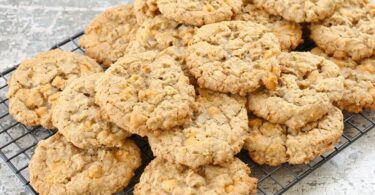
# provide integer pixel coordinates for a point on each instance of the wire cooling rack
(17, 142)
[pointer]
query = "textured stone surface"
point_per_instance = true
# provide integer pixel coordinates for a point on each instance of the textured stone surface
(30, 26)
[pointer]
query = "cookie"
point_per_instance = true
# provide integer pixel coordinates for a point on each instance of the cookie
(164, 35)
(288, 33)
(162, 177)
(80, 120)
(359, 84)
(273, 144)
(299, 10)
(349, 32)
(107, 36)
(159, 33)
(309, 84)
(145, 9)
(198, 12)
(36, 84)
(234, 57)
(146, 93)
(58, 167)
(215, 134)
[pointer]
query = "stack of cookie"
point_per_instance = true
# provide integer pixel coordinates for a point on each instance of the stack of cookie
(201, 80)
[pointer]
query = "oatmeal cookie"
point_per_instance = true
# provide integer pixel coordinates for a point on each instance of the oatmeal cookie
(349, 32)
(289, 33)
(236, 57)
(145, 9)
(80, 120)
(159, 33)
(273, 144)
(36, 84)
(58, 167)
(308, 86)
(108, 35)
(215, 134)
(359, 84)
(146, 93)
(162, 177)
(199, 12)
(299, 10)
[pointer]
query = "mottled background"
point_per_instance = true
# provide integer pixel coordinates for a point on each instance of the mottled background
(30, 26)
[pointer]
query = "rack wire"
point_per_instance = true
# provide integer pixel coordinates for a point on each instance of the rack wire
(17, 142)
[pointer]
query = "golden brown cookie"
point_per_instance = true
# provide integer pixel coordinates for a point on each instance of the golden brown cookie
(288, 33)
(236, 57)
(273, 144)
(359, 84)
(107, 36)
(216, 133)
(162, 177)
(199, 12)
(146, 93)
(37, 83)
(80, 119)
(299, 10)
(58, 167)
(349, 32)
(309, 84)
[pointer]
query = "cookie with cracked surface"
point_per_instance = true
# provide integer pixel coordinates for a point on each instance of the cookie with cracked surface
(198, 12)
(162, 177)
(349, 32)
(288, 33)
(234, 57)
(272, 144)
(80, 120)
(37, 83)
(107, 36)
(215, 134)
(58, 167)
(146, 93)
(309, 84)
(145, 9)
(299, 10)
(359, 84)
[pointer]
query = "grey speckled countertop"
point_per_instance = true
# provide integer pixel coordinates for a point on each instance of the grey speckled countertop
(30, 26)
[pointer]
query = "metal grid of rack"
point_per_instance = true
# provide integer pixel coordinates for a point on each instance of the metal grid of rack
(17, 142)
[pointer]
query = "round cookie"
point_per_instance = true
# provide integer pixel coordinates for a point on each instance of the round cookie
(215, 134)
(299, 10)
(199, 12)
(288, 33)
(146, 93)
(80, 120)
(162, 177)
(349, 32)
(58, 167)
(359, 84)
(273, 144)
(36, 84)
(145, 9)
(234, 57)
(309, 84)
(107, 36)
